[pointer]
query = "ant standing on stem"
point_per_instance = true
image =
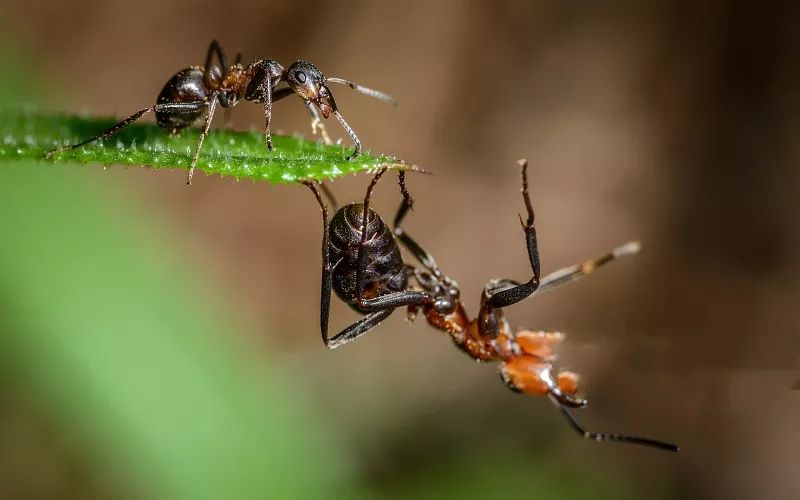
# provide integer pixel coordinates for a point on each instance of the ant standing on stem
(198, 89)
(361, 262)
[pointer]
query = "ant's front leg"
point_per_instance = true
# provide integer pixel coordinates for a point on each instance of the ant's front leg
(422, 255)
(516, 293)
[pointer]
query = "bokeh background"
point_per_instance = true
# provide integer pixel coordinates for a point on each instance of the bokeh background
(160, 341)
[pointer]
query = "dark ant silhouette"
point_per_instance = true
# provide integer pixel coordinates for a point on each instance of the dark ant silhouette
(198, 89)
(361, 262)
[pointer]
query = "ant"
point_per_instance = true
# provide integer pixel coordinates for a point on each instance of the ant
(361, 262)
(198, 89)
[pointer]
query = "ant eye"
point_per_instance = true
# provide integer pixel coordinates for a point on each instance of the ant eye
(300, 76)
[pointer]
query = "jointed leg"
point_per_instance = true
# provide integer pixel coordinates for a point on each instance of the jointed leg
(363, 242)
(105, 134)
(358, 328)
(266, 88)
(596, 436)
(519, 292)
(188, 107)
(327, 276)
(425, 258)
(212, 105)
(209, 75)
(577, 271)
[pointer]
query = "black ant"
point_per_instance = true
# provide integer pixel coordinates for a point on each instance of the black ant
(361, 262)
(197, 90)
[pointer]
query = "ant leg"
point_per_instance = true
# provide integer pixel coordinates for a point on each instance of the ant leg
(358, 329)
(351, 133)
(363, 242)
(212, 105)
(271, 98)
(407, 203)
(105, 134)
(577, 271)
(215, 49)
(510, 296)
(380, 308)
(186, 107)
(266, 88)
(598, 436)
(425, 258)
(210, 76)
(327, 276)
(394, 300)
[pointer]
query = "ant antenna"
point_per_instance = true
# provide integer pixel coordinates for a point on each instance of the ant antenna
(618, 438)
(377, 94)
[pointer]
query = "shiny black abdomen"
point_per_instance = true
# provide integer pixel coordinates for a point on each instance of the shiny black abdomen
(384, 271)
(186, 86)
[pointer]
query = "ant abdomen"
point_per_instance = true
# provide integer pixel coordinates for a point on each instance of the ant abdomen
(383, 270)
(186, 85)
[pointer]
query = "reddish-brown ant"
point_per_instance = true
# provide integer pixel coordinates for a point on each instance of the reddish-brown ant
(361, 262)
(197, 90)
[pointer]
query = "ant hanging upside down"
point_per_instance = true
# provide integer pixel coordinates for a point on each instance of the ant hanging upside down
(361, 262)
(198, 89)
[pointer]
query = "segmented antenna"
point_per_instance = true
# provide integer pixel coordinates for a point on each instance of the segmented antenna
(377, 94)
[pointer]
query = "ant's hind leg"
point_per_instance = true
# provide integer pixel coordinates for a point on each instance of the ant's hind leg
(327, 276)
(177, 107)
(604, 436)
(510, 296)
(212, 105)
(422, 255)
(358, 328)
(105, 134)
(211, 72)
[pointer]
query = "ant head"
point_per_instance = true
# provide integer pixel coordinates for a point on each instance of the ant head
(308, 82)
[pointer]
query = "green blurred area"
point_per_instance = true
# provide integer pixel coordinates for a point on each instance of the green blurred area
(123, 348)
(117, 342)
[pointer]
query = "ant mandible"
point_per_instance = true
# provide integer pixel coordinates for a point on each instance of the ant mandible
(361, 262)
(198, 89)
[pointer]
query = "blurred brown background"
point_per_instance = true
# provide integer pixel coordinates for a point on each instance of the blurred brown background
(670, 122)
